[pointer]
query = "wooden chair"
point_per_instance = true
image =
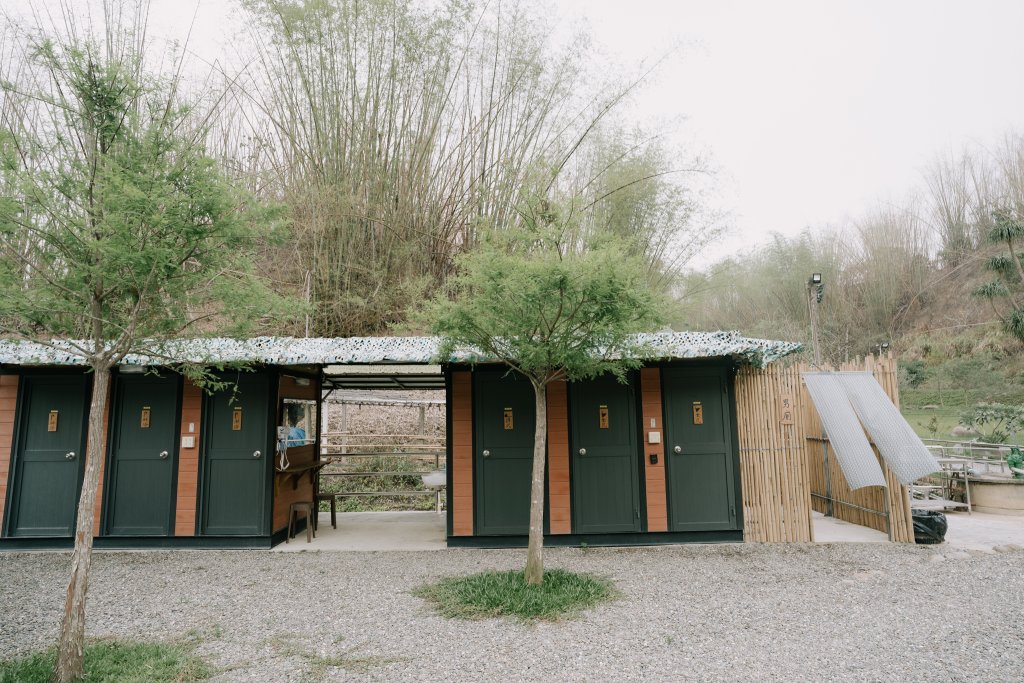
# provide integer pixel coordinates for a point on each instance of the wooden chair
(317, 497)
(293, 510)
(334, 507)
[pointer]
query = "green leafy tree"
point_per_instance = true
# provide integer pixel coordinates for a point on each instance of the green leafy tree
(552, 308)
(1006, 291)
(117, 233)
(997, 422)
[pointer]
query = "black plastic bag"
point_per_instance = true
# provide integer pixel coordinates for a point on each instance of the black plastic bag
(929, 526)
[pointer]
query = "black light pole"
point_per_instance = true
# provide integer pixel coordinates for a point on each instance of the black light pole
(815, 292)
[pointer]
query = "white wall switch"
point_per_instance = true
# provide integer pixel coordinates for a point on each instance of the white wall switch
(188, 442)
(191, 427)
(653, 437)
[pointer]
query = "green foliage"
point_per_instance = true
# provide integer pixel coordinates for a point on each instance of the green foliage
(1007, 227)
(912, 373)
(991, 290)
(997, 422)
(1002, 264)
(115, 226)
(499, 594)
(1016, 461)
(399, 130)
(113, 660)
(548, 305)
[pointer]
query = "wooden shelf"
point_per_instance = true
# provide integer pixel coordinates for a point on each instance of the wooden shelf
(295, 473)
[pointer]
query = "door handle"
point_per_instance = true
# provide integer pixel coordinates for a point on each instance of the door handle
(256, 454)
(677, 449)
(163, 455)
(487, 454)
(583, 451)
(70, 455)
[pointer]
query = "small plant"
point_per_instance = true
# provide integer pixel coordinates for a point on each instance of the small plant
(115, 660)
(932, 426)
(498, 594)
(1016, 461)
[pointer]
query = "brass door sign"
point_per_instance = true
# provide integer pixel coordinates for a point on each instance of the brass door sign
(508, 418)
(144, 420)
(602, 419)
(51, 422)
(236, 420)
(698, 413)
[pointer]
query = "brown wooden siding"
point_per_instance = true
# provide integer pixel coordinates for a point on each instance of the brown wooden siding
(559, 511)
(654, 474)
(462, 454)
(8, 403)
(776, 492)
(188, 460)
(284, 492)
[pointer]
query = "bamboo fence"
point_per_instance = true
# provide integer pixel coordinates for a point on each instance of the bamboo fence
(783, 453)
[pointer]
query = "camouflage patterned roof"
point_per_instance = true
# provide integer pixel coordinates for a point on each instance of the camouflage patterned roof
(379, 350)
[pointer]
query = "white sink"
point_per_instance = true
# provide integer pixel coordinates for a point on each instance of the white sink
(435, 479)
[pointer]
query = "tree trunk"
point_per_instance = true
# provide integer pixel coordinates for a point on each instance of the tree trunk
(535, 549)
(71, 645)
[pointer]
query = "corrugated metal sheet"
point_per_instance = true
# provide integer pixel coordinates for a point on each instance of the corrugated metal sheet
(903, 450)
(851, 446)
(374, 350)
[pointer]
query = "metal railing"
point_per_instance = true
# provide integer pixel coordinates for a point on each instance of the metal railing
(422, 449)
(960, 462)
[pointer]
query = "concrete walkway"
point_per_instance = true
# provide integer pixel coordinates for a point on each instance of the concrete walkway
(390, 531)
(984, 531)
(832, 530)
(374, 531)
(980, 531)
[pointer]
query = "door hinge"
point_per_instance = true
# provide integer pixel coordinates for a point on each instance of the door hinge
(732, 510)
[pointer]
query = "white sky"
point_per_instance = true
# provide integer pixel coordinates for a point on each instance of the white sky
(817, 110)
(811, 110)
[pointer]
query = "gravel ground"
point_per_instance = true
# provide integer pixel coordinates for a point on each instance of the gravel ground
(858, 612)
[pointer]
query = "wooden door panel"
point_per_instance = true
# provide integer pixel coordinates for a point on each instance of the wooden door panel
(143, 456)
(49, 463)
(700, 466)
(235, 478)
(505, 417)
(605, 479)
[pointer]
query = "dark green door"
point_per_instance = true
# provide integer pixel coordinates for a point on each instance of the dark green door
(699, 449)
(143, 453)
(505, 417)
(237, 460)
(50, 456)
(605, 485)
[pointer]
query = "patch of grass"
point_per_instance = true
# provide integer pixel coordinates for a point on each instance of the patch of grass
(289, 645)
(944, 420)
(499, 594)
(115, 660)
